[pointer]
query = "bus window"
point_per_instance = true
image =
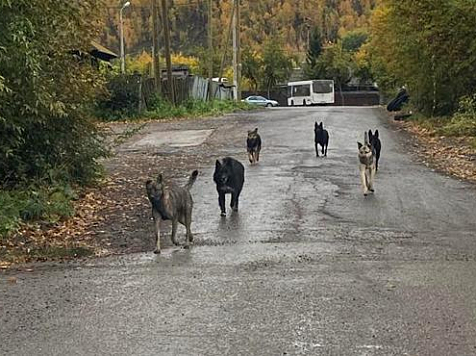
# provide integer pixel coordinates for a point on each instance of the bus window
(301, 90)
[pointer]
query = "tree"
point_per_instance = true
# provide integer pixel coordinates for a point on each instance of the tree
(46, 84)
(277, 66)
(353, 40)
(251, 65)
(429, 46)
(315, 47)
(336, 64)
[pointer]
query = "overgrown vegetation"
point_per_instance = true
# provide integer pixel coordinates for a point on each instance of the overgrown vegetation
(48, 142)
(163, 109)
(429, 47)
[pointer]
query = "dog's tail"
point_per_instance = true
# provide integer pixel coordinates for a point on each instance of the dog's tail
(192, 179)
(366, 138)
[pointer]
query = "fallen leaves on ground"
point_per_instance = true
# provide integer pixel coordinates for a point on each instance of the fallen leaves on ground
(453, 155)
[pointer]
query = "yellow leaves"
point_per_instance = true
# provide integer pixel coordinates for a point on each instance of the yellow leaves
(452, 155)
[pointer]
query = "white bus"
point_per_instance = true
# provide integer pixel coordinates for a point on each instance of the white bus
(310, 92)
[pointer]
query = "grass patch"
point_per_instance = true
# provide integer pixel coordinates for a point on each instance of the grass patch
(162, 109)
(461, 124)
(35, 203)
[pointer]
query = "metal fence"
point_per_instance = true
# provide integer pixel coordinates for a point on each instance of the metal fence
(185, 88)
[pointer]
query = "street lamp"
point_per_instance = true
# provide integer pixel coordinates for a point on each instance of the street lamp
(123, 59)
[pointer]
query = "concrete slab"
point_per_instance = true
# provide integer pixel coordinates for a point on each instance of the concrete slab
(188, 138)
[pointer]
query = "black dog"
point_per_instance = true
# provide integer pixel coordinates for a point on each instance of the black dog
(253, 146)
(229, 177)
(321, 137)
(376, 146)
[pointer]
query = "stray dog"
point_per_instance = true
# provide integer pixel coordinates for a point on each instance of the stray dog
(253, 146)
(171, 202)
(229, 177)
(376, 145)
(321, 137)
(366, 165)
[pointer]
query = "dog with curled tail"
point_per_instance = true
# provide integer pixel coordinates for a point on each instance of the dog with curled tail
(171, 202)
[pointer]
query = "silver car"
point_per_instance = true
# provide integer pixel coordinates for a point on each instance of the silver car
(260, 100)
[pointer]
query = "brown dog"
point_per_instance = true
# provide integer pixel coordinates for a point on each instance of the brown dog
(171, 202)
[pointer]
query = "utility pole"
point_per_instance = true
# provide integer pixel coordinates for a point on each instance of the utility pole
(168, 61)
(155, 48)
(223, 59)
(236, 52)
(210, 50)
(121, 31)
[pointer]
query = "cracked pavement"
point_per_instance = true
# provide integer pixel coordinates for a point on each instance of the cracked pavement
(308, 266)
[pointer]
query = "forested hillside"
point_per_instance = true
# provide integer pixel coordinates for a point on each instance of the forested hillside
(290, 20)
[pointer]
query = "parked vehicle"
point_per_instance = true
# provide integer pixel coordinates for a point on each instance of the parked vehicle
(310, 92)
(260, 100)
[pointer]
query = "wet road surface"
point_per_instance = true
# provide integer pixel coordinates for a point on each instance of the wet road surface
(308, 266)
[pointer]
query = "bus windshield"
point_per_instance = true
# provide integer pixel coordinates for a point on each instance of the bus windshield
(322, 86)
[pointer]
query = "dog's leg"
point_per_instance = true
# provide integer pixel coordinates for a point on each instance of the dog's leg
(221, 202)
(174, 231)
(325, 153)
(250, 156)
(234, 201)
(188, 223)
(317, 149)
(257, 155)
(371, 178)
(363, 179)
(157, 220)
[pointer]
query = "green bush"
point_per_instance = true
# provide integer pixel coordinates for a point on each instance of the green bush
(162, 109)
(463, 123)
(36, 203)
(122, 100)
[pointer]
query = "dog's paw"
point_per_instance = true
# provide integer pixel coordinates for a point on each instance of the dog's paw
(372, 190)
(223, 215)
(186, 247)
(157, 252)
(235, 208)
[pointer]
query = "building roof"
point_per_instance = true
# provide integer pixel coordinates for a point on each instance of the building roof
(102, 52)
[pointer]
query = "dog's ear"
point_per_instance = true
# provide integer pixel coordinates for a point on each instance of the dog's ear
(217, 164)
(366, 138)
(376, 133)
(315, 125)
(370, 135)
(359, 145)
(160, 178)
(256, 130)
(321, 125)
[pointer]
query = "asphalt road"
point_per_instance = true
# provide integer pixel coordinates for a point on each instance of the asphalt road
(308, 266)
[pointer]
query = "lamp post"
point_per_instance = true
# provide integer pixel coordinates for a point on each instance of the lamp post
(123, 59)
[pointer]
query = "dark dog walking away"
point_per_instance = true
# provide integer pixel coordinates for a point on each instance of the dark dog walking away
(171, 202)
(229, 177)
(376, 145)
(253, 146)
(321, 137)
